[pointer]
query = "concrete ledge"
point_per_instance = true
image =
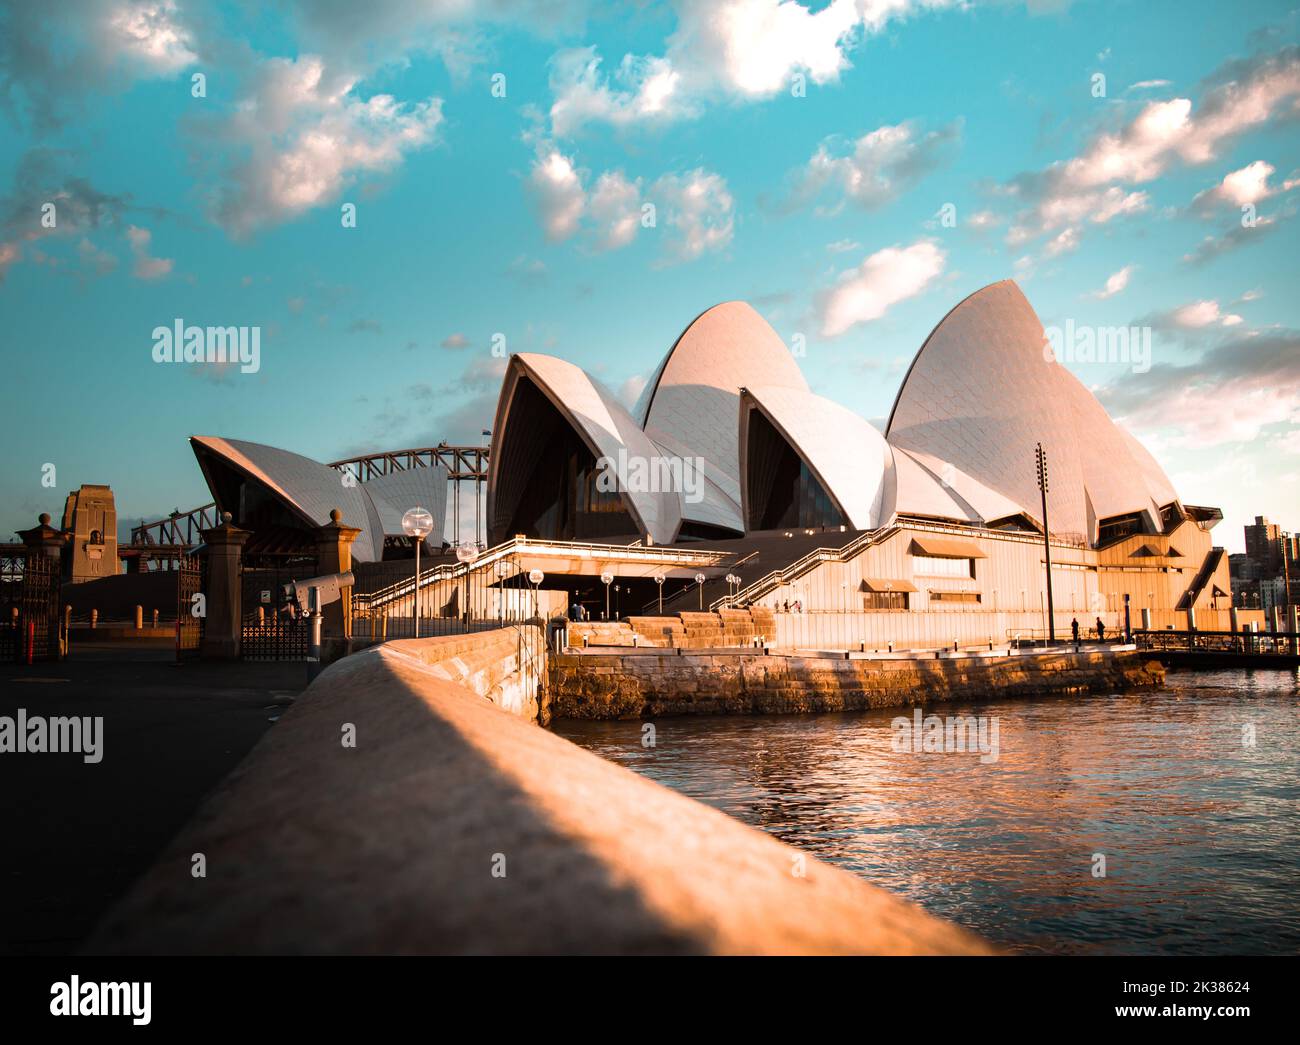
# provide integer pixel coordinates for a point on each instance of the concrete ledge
(391, 846)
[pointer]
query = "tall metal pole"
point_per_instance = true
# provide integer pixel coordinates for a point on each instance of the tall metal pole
(1047, 542)
(418, 541)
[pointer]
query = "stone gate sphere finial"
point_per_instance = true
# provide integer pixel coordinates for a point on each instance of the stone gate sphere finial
(226, 517)
(336, 516)
(45, 518)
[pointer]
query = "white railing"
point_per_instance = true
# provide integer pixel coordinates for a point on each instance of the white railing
(771, 581)
(683, 557)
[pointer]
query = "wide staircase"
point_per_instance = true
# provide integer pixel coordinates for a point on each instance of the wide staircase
(726, 629)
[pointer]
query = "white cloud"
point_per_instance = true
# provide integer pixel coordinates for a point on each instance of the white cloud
(887, 277)
(695, 209)
(149, 33)
(1246, 95)
(700, 211)
(1065, 242)
(1228, 395)
(876, 168)
(1202, 314)
(146, 266)
(740, 49)
(55, 56)
(1287, 442)
(646, 88)
(561, 198)
(302, 136)
(615, 207)
(1115, 283)
(1248, 185)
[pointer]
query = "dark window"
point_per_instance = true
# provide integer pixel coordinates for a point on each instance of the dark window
(954, 596)
(783, 492)
(885, 600)
(1118, 526)
(555, 490)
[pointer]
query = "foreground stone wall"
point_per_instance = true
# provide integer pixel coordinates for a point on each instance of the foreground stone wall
(454, 826)
(644, 684)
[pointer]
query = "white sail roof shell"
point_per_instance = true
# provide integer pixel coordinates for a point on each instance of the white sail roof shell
(982, 391)
(691, 405)
(849, 457)
(602, 422)
(312, 490)
(394, 494)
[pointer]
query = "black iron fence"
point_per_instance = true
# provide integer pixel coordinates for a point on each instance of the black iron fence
(271, 626)
(29, 609)
(1264, 643)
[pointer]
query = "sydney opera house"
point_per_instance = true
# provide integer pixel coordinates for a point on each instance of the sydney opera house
(938, 518)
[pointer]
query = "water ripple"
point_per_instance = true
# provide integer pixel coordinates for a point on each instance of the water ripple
(1199, 830)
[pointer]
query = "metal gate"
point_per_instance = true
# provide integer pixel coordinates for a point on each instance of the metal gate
(29, 608)
(270, 626)
(191, 613)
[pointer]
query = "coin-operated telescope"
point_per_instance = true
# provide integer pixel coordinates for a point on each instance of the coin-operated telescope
(308, 596)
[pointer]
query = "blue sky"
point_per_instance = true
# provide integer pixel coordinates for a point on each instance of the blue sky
(796, 156)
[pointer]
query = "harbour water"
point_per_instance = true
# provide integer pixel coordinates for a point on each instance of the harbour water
(1191, 794)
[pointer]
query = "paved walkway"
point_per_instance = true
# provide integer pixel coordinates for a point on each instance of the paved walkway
(77, 835)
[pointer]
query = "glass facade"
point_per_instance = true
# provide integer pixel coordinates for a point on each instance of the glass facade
(561, 498)
(783, 491)
(934, 566)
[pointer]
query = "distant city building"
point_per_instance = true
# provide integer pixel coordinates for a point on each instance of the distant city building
(1273, 557)
(1264, 546)
(90, 519)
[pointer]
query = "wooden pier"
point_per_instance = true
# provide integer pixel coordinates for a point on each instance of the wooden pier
(1221, 649)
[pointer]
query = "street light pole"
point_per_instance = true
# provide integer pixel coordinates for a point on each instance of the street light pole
(1047, 542)
(417, 523)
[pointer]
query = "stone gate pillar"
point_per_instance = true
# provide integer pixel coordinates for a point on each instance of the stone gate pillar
(334, 555)
(221, 629)
(44, 539)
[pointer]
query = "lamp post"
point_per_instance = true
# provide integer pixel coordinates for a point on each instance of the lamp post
(501, 568)
(417, 523)
(1041, 456)
(699, 580)
(607, 578)
(535, 578)
(733, 587)
(466, 554)
(659, 580)
(478, 491)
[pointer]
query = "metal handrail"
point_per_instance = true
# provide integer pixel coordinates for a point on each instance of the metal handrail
(770, 581)
(516, 545)
(1069, 539)
(776, 578)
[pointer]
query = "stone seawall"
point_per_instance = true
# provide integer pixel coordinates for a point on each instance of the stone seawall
(639, 684)
(450, 825)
